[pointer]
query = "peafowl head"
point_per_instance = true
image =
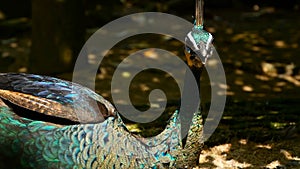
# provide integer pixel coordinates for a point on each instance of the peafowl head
(198, 48)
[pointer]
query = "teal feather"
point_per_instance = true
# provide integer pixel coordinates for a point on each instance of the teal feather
(106, 144)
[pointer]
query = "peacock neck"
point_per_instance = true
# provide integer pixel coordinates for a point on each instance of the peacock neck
(189, 156)
(191, 120)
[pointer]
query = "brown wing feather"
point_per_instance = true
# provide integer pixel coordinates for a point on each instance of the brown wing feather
(2, 104)
(53, 97)
(41, 105)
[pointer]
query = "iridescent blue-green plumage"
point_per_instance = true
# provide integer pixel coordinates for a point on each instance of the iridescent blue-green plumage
(101, 143)
(67, 99)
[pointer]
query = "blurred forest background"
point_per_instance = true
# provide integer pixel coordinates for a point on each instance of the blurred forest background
(257, 41)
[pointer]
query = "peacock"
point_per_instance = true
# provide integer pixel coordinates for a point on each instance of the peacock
(43, 124)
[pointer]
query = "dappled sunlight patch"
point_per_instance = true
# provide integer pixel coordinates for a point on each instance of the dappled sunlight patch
(248, 88)
(103, 73)
(151, 53)
(134, 128)
(14, 45)
(216, 157)
(227, 117)
(22, 69)
(222, 93)
(273, 164)
(260, 117)
(212, 62)
(92, 59)
(239, 82)
(281, 84)
(290, 79)
(278, 125)
(280, 71)
(229, 31)
(155, 80)
(266, 146)
(269, 69)
(243, 141)
(144, 87)
(126, 74)
(230, 93)
(239, 72)
(256, 48)
(211, 29)
(280, 44)
(223, 86)
(294, 45)
(244, 153)
(287, 154)
(277, 89)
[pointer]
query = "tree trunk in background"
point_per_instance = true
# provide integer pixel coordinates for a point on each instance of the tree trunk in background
(57, 35)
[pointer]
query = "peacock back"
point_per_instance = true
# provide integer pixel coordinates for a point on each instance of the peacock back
(51, 123)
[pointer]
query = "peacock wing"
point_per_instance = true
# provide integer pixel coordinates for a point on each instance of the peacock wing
(54, 97)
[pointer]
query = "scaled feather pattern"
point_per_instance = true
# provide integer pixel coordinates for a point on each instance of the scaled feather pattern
(90, 134)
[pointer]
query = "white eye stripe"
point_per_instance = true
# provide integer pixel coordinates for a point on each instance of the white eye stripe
(193, 42)
(191, 38)
(209, 40)
(202, 49)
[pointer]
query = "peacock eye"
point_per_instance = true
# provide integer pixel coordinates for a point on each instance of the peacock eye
(192, 57)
